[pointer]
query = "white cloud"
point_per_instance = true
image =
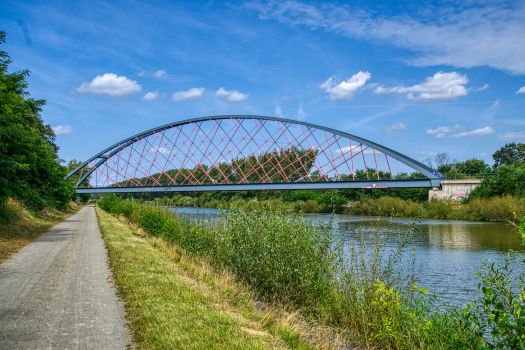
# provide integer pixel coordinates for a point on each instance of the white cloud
(159, 74)
(301, 115)
(184, 95)
(396, 128)
(512, 136)
(484, 87)
(478, 132)
(345, 149)
(521, 90)
(441, 135)
(110, 85)
(279, 112)
(345, 90)
(371, 151)
(231, 95)
(441, 86)
(141, 74)
(443, 129)
(151, 96)
(482, 33)
(62, 129)
(162, 150)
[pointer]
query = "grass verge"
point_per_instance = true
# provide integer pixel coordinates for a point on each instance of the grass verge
(19, 227)
(175, 302)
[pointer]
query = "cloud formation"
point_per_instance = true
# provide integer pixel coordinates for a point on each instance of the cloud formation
(62, 129)
(231, 95)
(396, 128)
(279, 112)
(345, 149)
(151, 96)
(444, 129)
(185, 95)
(441, 86)
(159, 74)
(478, 132)
(483, 33)
(110, 85)
(345, 90)
(512, 136)
(301, 114)
(521, 90)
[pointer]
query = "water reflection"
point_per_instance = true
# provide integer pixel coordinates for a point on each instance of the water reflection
(450, 252)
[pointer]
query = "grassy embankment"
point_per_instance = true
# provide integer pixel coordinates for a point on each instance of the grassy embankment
(175, 302)
(363, 288)
(19, 227)
(491, 209)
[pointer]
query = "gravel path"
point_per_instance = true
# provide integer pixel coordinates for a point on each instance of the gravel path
(56, 293)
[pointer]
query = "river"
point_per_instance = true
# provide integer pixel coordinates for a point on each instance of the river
(448, 251)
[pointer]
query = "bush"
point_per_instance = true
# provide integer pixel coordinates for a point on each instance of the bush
(310, 206)
(110, 202)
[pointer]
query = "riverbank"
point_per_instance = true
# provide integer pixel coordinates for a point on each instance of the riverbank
(19, 227)
(355, 286)
(175, 301)
(506, 208)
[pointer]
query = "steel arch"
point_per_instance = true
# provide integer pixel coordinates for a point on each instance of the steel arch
(98, 160)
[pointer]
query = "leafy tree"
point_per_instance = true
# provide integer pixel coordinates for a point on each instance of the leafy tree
(29, 166)
(510, 154)
(473, 166)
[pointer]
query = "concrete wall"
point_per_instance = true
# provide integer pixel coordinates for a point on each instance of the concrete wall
(454, 190)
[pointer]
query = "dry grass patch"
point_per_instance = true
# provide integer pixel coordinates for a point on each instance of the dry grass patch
(173, 302)
(19, 227)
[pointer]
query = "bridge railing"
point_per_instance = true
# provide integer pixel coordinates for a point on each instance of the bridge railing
(473, 176)
(303, 180)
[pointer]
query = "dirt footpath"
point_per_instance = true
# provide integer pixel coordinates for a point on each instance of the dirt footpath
(56, 293)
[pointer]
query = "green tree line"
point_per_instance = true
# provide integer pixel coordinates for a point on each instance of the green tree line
(30, 169)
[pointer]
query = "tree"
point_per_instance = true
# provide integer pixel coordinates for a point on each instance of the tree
(473, 166)
(441, 162)
(510, 154)
(29, 166)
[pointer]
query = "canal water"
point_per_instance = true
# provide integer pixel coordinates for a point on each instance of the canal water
(448, 251)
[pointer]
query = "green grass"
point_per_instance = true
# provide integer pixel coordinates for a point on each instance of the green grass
(175, 302)
(492, 209)
(19, 227)
(363, 288)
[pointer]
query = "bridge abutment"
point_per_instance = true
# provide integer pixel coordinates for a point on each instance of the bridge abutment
(454, 190)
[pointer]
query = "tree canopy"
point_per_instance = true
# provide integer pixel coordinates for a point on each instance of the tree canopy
(29, 165)
(510, 154)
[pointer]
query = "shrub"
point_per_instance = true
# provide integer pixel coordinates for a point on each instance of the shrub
(152, 220)
(310, 206)
(110, 202)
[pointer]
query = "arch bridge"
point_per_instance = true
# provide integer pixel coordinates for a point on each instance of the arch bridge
(243, 152)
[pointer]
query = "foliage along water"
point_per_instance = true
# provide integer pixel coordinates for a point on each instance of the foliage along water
(449, 251)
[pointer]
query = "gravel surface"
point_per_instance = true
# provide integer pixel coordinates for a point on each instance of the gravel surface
(56, 293)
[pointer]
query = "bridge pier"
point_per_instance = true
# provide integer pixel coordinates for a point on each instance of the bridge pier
(454, 190)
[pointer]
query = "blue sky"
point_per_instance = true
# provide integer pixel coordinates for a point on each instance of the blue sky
(418, 77)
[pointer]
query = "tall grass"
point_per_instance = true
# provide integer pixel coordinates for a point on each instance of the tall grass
(358, 285)
(492, 209)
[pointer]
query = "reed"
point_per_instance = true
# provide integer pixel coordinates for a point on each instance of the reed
(490, 209)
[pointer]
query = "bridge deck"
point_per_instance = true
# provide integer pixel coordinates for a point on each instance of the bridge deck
(416, 183)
